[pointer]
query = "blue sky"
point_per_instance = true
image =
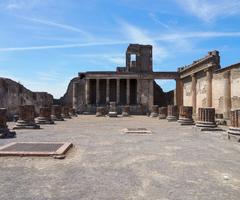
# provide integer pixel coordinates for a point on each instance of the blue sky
(45, 43)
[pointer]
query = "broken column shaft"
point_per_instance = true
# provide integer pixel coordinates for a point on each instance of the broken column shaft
(57, 113)
(185, 115)
(154, 112)
(126, 111)
(206, 118)
(234, 129)
(45, 116)
(172, 113)
(26, 118)
(163, 112)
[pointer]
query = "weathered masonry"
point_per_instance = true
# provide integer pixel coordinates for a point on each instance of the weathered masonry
(130, 85)
(200, 84)
(205, 84)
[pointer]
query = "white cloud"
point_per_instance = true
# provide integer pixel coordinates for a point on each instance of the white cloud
(58, 25)
(136, 35)
(210, 10)
(13, 5)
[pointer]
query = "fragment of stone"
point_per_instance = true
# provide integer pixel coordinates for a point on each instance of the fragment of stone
(126, 111)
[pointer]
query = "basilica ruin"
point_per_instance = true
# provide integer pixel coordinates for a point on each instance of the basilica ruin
(201, 84)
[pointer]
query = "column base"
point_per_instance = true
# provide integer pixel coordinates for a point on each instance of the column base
(125, 114)
(112, 114)
(153, 114)
(162, 116)
(44, 120)
(21, 124)
(185, 121)
(55, 118)
(172, 118)
(234, 134)
(6, 133)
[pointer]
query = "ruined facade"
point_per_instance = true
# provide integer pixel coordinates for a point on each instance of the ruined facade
(200, 84)
(205, 84)
(13, 94)
(132, 85)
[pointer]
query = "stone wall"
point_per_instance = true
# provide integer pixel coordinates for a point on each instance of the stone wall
(235, 87)
(187, 94)
(13, 94)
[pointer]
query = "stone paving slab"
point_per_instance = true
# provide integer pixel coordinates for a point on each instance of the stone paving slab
(176, 163)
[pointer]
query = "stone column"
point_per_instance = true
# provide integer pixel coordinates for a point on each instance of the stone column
(138, 92)
(118, 91)
(163, 112)
(97, 92)
(206, 118)
(87, 91)
(227, 95)
(107, 90)
(151, 94)
(185, 115)
(126, 111)
(154, 112)
(65, 112)
(179, 92)
(234, 129)
(44, 116)
(194, 93)
(26, 118)
(209, 87)
(56, 114)
(75, 95)
(128, 91)
(172, 113)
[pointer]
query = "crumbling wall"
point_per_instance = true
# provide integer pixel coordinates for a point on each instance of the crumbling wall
(13, 94)
(235, 88)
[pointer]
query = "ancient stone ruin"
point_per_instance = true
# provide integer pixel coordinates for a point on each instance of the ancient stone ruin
(4, 131)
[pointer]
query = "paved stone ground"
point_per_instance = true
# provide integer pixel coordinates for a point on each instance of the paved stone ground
(172, 163)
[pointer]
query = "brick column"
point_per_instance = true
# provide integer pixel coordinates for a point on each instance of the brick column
(87, 91)
(206, 118)
(234, 129)
(163, 112)
(194, 93)
(185, 115)
(128, 91)
(179, 92)
(4, 131)
(97, 92)
(209, 87)
(107, 91)
(56, 113)
(118, 91)
(172, 113)
(45, 116)
(75, 95)
(227, 95)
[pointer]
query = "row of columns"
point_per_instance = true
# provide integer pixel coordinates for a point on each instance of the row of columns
(87, 91)
(226, 90)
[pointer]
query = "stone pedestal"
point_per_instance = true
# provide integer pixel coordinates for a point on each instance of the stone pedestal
(172, 113)
(126, 111)
(185, 115)
(234, 129)
(163, 112)
(4, 131)
(154, 112)
(100, 112)
(26, 118)
(72, 112)
(57, 113)
(112, 110)
(206, 118)
(65, 112)
(44, 116)
(220, 119)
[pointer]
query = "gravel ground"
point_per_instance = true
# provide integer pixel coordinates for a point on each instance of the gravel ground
(174, 162)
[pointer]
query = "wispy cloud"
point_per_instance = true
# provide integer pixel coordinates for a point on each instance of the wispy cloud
(136, 35)
(13, 5)
(210, 10)
(58, 25)
(64, 46)
(158, 21)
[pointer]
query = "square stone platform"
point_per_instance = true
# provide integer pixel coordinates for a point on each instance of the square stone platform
(174, 163)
